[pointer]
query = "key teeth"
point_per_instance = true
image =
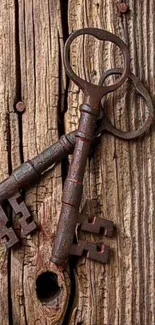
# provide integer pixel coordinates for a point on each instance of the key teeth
(27, 228)
(93, 253)
(20, 207)
(13, 240)
(102, 255)
(6, 232)
(10, 235)
(96, 225)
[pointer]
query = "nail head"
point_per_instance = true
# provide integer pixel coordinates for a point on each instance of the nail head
(20, 107)
(123, 8)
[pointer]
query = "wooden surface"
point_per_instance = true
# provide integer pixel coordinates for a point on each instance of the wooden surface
(120, 177)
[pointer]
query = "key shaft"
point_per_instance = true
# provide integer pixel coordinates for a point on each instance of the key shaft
(29, 173)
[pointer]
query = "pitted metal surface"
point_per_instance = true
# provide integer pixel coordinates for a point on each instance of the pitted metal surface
(30, 172)
(85, 134)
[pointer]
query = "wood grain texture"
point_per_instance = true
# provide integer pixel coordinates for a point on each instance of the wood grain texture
(40, 37)
(120, 177)
(119, 181)
(7, 119)
(32, 42)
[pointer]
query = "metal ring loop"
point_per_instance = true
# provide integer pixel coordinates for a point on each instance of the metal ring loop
(101, 35)
(107, 125)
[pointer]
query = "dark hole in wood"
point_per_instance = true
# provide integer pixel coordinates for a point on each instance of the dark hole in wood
(47, 286)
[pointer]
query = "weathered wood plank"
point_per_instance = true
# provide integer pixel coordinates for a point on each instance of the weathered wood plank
(119, 178)
(7, 98)
(40, 41)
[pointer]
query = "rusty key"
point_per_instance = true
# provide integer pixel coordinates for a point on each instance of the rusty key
(96, 225)
(89, 112)
(30, 172)
(25, 176)
(27, 225)
(5, 231)
(95, 252)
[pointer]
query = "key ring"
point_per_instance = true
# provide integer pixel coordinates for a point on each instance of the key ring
(94, 93)
(108, 126)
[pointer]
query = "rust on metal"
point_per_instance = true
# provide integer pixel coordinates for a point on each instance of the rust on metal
(27, 225)
(20, 107)
(94, 93)
(93, 251)
(73, 186)
(123, 7)
(7, 232)
(96, 225)
(30, 172)
(142, 91)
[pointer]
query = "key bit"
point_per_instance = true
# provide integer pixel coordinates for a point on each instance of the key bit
(26, 224)
(19, 206)
(93, 251)
(96, 225)
(30, 171)
(90, 108)
(5, 232)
